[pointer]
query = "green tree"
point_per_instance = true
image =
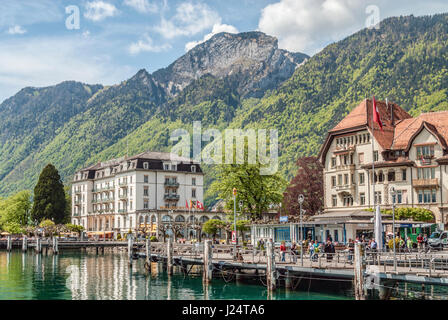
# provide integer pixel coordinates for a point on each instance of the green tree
(68, 205)
(49, 197)
(75, 228)
(15, 209)
(256, 191)
(13, 227)
(212, 226)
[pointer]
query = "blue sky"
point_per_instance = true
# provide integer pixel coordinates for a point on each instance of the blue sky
(116, 38)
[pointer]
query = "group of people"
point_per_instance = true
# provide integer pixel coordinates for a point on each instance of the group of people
(314, 248)
(409, 245)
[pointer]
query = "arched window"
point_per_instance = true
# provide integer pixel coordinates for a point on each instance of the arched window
(180, 219)
(192, 219)
(153, 219)
(141, 220)
(166, 218)
(204, 219)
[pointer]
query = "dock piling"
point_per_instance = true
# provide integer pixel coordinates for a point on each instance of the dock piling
(24, 244)
(130, 247)
(9, 244)
(359, 274)
(148, 254)
(38, 247)
(208, 265)
(55, 245)
(270, 268)
(169, 256)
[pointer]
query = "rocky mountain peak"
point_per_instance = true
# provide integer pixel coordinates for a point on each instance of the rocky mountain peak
(252, 58)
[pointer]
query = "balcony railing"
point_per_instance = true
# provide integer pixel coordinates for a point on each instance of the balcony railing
(421, 183)
(345, 187)
(121, 210)
(170, 183)
(168, 196)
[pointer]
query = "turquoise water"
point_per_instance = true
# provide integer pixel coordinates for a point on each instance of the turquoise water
(86, 276)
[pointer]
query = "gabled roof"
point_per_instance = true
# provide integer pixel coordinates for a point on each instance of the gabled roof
(361, 118)
(407, 130)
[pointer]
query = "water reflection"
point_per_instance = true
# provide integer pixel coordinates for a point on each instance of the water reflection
(87, 276)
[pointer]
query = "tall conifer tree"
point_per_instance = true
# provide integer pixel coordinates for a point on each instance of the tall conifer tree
(49, 197)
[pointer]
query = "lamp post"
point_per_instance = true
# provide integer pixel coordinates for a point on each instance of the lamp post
(301, 199)
(393, 192)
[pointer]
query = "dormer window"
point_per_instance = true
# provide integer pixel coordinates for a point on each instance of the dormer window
(166, 167)
(145, 165)
(193, 168)
(173, 167)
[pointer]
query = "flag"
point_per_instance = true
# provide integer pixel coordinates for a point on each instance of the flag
(186, 204)
(199, 205)
(191, 204)
(376, 115)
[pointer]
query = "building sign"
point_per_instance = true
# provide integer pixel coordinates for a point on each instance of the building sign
(407, 225)
(233, 237)
(284, 219)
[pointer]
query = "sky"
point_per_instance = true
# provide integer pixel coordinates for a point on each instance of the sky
(45, 42)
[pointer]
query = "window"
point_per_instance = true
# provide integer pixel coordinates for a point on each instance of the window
(193, 168)
(375, 156)
(145, 179)
(426, 173)
(340, 179)
(166, 167)
(193, 193)
(361, 158)
(425, 151)
(333, 181)
(346, 179)
(145, 204)
(353, 178)
(361, 178)
(193, 181)
(399, 196)
(391, 176)
(348, 201)
(427, 196)
(146, 192)
(378, 198)
(333, 162)
(334, 200)
(145, 165)
(174, 167)
(362, 199)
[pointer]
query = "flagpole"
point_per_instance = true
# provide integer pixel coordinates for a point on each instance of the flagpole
(373, 159)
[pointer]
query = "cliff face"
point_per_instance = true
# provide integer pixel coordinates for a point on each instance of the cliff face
(253, 59)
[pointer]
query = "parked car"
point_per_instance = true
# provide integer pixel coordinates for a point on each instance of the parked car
(438, 240)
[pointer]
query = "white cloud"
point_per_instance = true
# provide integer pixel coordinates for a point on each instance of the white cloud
(47, 61)
(143, 6)
(309, 25)
(16, 30)
(99, 10)
(217, 28)
(190, 19)
(147, 45)
(27, 12)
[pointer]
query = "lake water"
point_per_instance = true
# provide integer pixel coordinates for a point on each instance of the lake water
(85, 276)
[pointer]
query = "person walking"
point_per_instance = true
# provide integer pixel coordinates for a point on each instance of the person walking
(311, 250)
(283, 251)
(409, 244)
(294, 252)
(350, 250)
(420, 242)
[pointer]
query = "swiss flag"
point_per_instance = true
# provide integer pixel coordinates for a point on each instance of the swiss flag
(199, 205)
(376, 115)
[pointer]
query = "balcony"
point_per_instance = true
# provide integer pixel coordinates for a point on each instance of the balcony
(77, 202)
(123, 183)
(423, 183)
(123, 196)
(345, 187)
(121, 210)
(168, 196)
(170, 183)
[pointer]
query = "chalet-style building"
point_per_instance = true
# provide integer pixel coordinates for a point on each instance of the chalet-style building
(411, 155)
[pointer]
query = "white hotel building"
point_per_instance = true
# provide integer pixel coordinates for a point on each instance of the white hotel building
(147, 189)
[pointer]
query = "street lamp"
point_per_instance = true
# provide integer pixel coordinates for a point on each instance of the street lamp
(301, 199)
(393, 193)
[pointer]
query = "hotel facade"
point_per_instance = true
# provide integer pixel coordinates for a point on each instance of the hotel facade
(410, 154)
(147, 191)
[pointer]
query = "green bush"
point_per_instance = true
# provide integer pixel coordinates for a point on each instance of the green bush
(416, 214)
(153, 239)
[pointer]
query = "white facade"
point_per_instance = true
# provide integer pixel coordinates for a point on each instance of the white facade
(119, 195)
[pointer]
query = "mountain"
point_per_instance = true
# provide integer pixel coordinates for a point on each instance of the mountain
(235, 81)
(252, 58)
(70, 123)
